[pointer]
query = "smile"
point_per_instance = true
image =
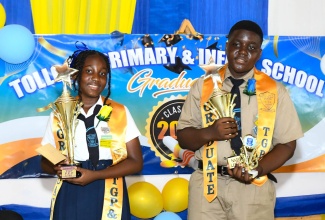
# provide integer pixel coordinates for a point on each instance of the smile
(93, 87)
(240, 60)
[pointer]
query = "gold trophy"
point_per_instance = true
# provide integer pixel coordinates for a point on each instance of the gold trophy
(66, 109)
(221, 103)
(248, 157)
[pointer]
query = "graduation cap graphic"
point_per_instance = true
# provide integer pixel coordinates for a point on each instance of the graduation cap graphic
(178, 67)
(213, 46)
(170, 39)
(116, 40)
(147, 41)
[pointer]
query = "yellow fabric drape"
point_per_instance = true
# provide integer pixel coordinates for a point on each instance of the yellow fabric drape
(82, 16)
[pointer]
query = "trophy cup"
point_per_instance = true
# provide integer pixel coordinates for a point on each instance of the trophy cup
(221, 103)
(66, 109)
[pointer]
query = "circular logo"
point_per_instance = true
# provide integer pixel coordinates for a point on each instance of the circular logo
(161, 127)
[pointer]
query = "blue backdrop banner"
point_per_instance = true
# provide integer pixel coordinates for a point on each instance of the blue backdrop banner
(151, 75)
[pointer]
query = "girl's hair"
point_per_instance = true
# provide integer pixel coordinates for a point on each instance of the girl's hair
(77, 60)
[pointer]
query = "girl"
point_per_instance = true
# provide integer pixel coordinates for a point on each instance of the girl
(106, 150)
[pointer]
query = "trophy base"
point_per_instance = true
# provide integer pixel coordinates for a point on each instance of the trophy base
(232, 161)
(70, 171)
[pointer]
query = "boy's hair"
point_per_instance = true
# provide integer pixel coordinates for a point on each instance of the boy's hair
(247, 25)
(77, 60)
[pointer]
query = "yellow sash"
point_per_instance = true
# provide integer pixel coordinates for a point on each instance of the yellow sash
(267, 96)
(60, 145)
(209, 157)
(113, 195)
(267, 100)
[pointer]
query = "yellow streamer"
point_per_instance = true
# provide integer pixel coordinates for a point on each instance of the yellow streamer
(275, 45)
(51, 48)
(82, 16)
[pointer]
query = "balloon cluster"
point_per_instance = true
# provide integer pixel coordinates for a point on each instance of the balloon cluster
(16, 42)
(146, 201)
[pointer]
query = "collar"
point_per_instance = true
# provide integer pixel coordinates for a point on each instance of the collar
(245, 77)
(91, 110)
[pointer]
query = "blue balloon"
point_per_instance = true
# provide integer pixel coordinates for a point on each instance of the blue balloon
(17, 44)
(167, 216)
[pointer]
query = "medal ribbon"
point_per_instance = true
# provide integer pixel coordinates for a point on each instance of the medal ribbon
(209, 157)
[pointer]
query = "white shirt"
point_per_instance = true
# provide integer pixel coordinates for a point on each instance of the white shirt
(81, 150)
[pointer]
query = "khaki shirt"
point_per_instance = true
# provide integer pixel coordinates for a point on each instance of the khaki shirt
(287, 125)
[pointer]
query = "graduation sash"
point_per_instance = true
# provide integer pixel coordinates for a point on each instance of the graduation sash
(113, 195)
(209, 157)
(267, 101)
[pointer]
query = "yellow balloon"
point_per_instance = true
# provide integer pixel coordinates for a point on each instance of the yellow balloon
(145, 200)
(2, 16)
(175, 195)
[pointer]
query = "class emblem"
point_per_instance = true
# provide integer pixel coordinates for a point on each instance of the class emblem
(267, 99)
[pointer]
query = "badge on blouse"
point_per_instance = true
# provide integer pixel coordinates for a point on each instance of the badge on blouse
(105, 130)
(106, 141)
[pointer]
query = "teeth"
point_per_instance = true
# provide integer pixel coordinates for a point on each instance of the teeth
(92, 86)
(240, 60)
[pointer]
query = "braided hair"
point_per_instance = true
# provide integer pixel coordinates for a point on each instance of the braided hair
(77, 60)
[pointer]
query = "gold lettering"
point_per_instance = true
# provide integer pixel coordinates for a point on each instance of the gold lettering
(143, 80)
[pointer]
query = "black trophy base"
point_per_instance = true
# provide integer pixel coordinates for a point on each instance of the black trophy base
(70, 171)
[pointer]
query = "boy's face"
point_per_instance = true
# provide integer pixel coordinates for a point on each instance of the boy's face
(93, 77)
(243, 50)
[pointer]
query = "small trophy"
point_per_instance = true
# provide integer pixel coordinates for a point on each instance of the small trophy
(248, 156)
(66, 109)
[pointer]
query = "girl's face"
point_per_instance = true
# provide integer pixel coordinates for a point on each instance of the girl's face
(93, 77)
